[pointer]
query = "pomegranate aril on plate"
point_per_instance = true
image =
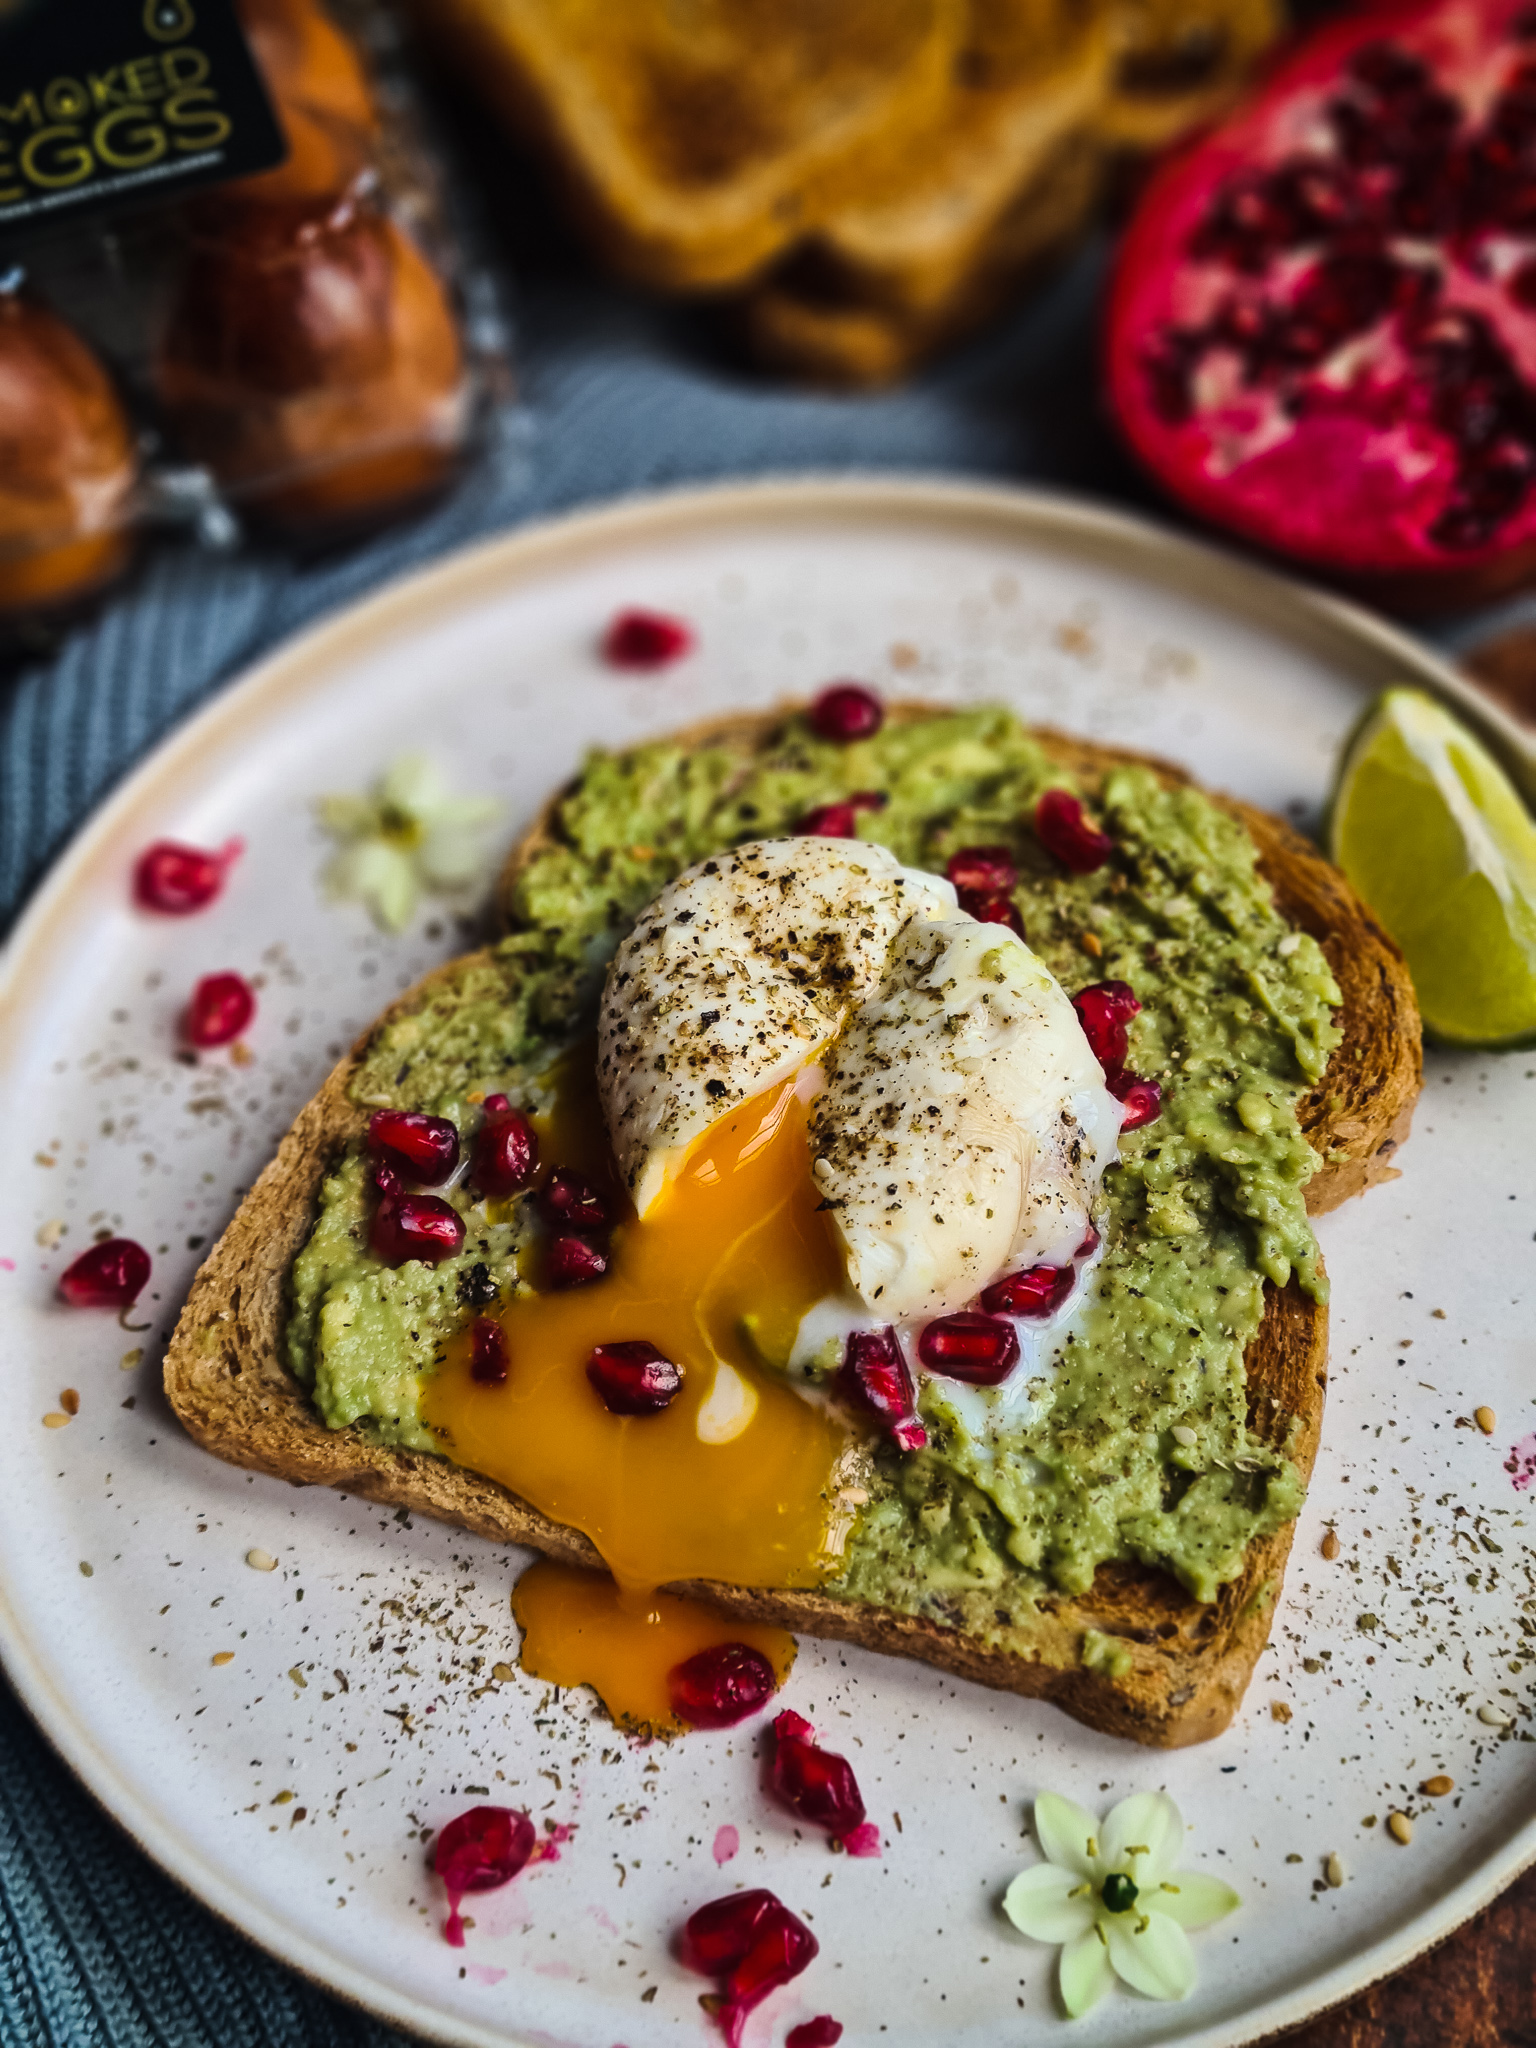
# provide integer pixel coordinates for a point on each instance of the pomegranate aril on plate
(751, 1944)
(992, 910)
(506, 1149)
(633, 1378)
(1142, 1100)
(572, 1203)
(574, 1261)
(112, 1274)
(487, 1352)
(423, 1148)
(983, 871)
(642, 639)
(1105, 1009)
(821, 2032)
(222, 1006)
(847, 711)
(1065, 833)
(981, 1350)
(718, 1935)
(406, 1226)
(1039, 1292)
(721, 1685)
(479, 1851)
(177, 879)
(814, 1783)
(874, 1375)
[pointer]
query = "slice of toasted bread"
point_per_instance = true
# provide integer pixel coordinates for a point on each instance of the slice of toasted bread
(1188, 1663)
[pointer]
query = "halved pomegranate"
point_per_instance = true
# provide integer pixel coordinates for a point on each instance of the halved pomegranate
(1321, 334)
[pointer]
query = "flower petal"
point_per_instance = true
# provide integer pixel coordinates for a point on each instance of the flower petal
(1151, 1953)
(1147, 1820)
(413, 783)
(1064, 1830)
(347, 817)
(450, 855)
(1192, 1898)
(1039, 1905)
(1083, 1972)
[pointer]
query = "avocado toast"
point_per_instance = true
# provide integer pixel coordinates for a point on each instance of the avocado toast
(1132, 1581)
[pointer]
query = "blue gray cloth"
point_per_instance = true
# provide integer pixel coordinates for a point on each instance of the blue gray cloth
(617, 395)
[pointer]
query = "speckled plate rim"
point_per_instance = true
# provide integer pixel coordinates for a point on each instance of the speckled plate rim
(1062, 524)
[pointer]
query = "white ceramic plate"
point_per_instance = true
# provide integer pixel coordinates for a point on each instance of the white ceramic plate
(359, 1680)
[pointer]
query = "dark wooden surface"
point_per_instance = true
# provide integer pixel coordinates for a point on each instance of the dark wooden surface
(1477, 1990)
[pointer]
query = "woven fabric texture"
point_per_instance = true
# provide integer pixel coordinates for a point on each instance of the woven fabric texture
(96, 1947)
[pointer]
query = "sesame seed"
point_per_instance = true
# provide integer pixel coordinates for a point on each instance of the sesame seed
(130, 1359)
(1494, 1717)
(49, 1233)
(1183, 1434)
(1438, 1786)
(261, 1560)
(222, 1657)
(1330, 1545)
(502, 1672)
(1333, 1870)
(1486, 1420)
(69, 1401)
(86, 1571)
(1400, 1828)
(55, 1420)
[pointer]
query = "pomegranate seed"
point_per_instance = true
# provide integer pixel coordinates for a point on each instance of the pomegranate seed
(847, 711)
(1089, 1245)
(633, 1378)
(480, 1851)
(992, 910)
(721, 1685)
(572, 1203)
(179, 879)
(1067, 835)
(406, 1226)
(1522, 285)
(977, 1349)
(573, 1261)
(1104, 1009)
(1039, 1292)
(222, 1006)
(640, 639)
(811, 1781)
(874, 1375)
(506, 1149)
(1143, 1101)
(862, 1841)
(752, 1943)
(487, 1352)
(423, 1148)
(111, 1274)
(840, 820)
(821, 2032)
(983, 871)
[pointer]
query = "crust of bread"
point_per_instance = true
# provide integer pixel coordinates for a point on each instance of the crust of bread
(1189, 1662)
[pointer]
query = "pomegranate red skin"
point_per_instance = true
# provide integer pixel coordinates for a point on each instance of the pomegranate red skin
(1067, 836)
(487, 1352)
(222, 1006)
(983, 871)
(821, 2032)
(406, 1226)
(1105, 1009)
(574, 1261)
(981, 1350)
(1039, 1292)
(178, 880)
(112, 1274)
(874, 1375)
(813, 1782)
(721, 1685)
(847, 711)
(641, 640)
(506, 1149)
(571, 1202)
(423, 1148)
(479, 1851)
(633, 1378)
(1356, 485)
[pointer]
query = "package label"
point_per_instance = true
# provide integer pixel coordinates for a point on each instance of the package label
(106, 103)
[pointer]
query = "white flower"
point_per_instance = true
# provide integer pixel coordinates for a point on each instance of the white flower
(1109, 1892)
(407, 834)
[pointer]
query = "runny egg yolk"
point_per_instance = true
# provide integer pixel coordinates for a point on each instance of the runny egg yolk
(738, 1479)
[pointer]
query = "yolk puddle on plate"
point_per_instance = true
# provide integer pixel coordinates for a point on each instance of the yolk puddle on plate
(579, 1629)
(718, 1276)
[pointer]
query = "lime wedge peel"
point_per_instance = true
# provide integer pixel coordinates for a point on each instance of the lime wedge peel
(1431, 832)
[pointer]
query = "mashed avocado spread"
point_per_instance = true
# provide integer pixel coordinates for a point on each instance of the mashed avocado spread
(1204, 1207)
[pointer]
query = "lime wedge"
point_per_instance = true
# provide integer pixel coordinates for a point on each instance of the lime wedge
(1430, 830)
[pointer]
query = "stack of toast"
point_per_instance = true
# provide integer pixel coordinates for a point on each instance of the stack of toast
(863, 181)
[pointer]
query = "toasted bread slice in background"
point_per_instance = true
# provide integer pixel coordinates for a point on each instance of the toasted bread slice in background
(1189, 1662)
